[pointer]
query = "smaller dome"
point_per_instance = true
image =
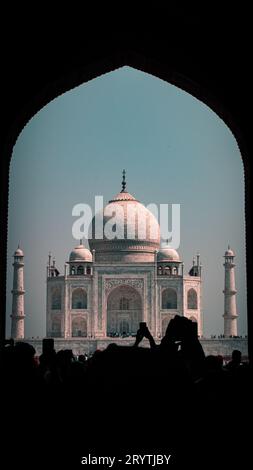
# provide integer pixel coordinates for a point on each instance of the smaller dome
(18, 252)
(80, 253)
(229, 252)
(167, 253)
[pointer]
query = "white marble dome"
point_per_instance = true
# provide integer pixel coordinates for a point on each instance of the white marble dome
(167, 253)
(80, 253)
(137, 231)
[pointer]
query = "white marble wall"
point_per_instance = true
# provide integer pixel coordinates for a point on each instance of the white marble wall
(142, 278)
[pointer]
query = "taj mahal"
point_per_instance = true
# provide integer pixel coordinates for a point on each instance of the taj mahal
(107, 290)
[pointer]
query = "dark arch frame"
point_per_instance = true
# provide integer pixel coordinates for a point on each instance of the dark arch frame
(160, 58)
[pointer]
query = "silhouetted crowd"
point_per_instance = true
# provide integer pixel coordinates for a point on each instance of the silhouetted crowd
(169, 396)
(231, 336)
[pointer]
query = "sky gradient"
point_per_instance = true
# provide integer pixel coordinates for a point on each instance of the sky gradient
(175, 150)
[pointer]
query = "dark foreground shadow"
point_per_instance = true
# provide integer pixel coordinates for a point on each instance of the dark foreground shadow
(166, 400)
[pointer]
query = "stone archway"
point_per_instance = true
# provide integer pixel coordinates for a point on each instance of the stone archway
(124, 311)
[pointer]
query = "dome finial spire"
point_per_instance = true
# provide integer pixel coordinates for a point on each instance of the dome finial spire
(123, 181)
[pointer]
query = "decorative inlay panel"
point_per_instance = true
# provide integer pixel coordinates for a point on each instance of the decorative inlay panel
(112, 283)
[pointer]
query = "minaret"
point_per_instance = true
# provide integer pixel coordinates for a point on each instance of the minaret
(230, 315)
(18, 314)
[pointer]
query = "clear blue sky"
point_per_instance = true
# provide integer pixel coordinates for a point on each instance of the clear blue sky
(175, 150)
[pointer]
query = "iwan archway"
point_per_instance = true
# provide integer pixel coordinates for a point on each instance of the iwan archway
(124, 311)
